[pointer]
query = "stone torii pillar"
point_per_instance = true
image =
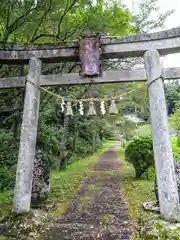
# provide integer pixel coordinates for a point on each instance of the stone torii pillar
(24, 174)
(165, 170)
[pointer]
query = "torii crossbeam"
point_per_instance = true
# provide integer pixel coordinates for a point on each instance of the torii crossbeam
(148, 46)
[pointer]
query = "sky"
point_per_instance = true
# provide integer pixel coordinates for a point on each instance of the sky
(171, 22)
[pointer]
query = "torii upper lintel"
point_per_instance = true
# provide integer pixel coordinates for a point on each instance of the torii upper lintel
(166, 42)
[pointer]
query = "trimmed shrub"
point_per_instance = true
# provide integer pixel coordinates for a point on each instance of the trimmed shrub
(140, 154)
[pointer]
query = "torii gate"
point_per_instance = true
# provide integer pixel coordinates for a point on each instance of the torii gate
(151, 46)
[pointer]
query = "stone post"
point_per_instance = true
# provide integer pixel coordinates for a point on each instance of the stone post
(165, 170)
(41, 178)
(24, 173)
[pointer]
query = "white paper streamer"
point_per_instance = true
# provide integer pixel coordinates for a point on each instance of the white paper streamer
(62, 105)
(102, 106)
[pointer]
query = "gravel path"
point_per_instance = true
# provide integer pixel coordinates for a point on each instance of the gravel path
(98, 210)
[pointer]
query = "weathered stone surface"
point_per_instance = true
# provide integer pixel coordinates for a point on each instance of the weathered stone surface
(152, 227)
(126, 75)
(41, 178)
(25, 227)
(177, 171)
(89, 53)
(166, 42)
(98, 210)
(163, 156)
(24, 173)
(151, 206)
(163, 230)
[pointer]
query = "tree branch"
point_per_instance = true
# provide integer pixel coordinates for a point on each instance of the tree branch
(72, 31)
(46, 36)
(40, 22)
(57, 36)
(67, 9)
(17, 23)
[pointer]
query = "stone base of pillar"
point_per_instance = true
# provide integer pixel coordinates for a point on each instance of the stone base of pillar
(41, 179)
(177, 171)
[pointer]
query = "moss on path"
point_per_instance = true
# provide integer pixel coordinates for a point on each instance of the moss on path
(98, 210)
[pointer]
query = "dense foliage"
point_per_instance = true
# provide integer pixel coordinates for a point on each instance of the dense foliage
(140, 154)
(8, 158)
(172, 91)
(176, 123)
(58, 22)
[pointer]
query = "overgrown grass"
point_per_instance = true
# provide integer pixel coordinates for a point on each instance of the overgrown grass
(136, 191)
(5, 203)
(175, 148)
(144, 130)
(63, 183)
(141, 190)
(66, 183)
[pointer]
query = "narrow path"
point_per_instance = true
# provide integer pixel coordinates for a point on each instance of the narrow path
(98, 210)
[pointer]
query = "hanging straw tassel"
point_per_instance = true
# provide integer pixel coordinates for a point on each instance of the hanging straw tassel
(113, 109)
(69, 111)
(92, 110)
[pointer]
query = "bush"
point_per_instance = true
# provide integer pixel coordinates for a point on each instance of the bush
(8, 175)
(140, 154)
(8, 159)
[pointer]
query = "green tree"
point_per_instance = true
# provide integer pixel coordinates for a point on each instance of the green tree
(58, 22)
(175, 120)
(172, 91)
